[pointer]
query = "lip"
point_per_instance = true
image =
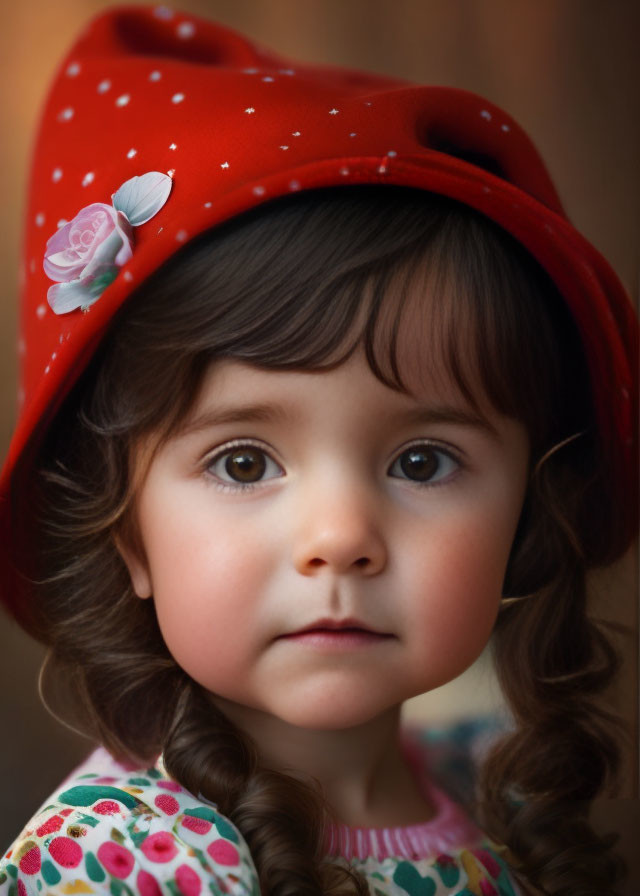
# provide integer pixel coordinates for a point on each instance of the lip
(356, 626)
(337, 639)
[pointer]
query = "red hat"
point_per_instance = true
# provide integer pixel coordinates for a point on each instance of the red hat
(160, 125)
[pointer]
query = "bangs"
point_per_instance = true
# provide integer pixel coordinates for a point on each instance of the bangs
(300, 283)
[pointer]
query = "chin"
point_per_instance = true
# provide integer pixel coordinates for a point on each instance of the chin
(330, 715)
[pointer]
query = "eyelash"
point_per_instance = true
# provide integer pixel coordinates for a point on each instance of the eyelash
(230, 447)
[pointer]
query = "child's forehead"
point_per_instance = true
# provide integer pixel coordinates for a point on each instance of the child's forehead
(231, 376)
(233, 382)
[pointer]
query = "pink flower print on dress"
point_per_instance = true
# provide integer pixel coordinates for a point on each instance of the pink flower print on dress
(85, 255)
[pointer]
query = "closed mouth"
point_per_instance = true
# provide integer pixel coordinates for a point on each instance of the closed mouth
(336, 626)
(342, 630)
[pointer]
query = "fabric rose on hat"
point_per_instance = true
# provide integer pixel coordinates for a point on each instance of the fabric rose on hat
(85, 255)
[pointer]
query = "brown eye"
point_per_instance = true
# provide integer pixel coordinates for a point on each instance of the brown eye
(245, 465)
(424, 464)
(242, 465)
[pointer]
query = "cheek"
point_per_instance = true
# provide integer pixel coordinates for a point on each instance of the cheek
(206, 585)
(457, 585)
(193, 544)
(476, 556)
(465, 554)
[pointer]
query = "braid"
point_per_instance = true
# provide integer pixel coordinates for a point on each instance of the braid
(281, 819)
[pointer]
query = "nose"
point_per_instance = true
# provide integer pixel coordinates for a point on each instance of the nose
(340, 531)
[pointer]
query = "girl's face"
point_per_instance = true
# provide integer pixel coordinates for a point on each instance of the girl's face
(289, 498)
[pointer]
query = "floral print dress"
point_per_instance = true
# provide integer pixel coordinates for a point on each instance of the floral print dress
(113, 829)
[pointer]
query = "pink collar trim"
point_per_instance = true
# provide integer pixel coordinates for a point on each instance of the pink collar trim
(449, 827)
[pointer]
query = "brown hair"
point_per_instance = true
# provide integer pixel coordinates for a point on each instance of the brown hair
(297, 284)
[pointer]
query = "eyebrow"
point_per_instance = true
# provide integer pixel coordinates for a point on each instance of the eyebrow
(276, 413)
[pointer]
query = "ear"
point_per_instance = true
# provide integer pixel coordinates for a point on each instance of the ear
(137, 565)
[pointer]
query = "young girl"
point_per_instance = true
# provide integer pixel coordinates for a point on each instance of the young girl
(367, 405)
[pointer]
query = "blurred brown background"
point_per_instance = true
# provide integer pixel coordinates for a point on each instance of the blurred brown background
(568, 70)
